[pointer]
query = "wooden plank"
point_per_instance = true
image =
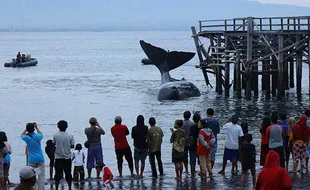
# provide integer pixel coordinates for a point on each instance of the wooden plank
(309, 62)
(218, 68)
(227, 69)
(196, 40)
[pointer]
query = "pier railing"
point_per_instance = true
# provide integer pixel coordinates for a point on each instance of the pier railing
(260, 24)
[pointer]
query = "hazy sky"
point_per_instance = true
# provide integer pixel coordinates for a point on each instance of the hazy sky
(134, 14)
(287, 2)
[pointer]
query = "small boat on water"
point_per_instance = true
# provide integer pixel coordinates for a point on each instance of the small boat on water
(27, 63)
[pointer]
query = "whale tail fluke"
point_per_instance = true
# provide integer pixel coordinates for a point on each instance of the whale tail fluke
(163, 60)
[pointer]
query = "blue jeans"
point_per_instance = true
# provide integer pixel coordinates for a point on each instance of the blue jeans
(213, 152)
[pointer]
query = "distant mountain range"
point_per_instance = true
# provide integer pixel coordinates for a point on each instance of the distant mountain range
(110, 15)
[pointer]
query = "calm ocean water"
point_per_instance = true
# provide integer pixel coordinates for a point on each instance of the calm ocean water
(85, 74)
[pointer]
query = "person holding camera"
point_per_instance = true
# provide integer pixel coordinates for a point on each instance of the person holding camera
(35, 153)
(93, 143)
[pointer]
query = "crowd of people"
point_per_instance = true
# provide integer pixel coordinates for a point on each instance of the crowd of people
(196, 140)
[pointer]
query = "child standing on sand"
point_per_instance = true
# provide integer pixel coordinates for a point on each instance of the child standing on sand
(78, 161)
(50, 151)
(248, 159)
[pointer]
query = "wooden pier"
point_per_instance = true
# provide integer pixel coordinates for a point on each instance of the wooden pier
(271, 49)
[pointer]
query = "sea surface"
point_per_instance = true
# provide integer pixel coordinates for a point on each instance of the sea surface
(99, 74)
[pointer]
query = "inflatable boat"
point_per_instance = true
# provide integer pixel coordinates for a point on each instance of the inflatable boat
(31, 62)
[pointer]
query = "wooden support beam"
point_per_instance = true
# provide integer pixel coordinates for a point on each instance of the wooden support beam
(227, 69)
(274, 66)
(309, 56)
(219, 70)
(238, 76)
(285, 75)
(291, 60)
(248, 90)
(298, 70)
(200, 57)
(266, 79)
(281, 90)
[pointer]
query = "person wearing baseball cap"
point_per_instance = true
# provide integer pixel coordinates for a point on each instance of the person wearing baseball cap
(27, 178)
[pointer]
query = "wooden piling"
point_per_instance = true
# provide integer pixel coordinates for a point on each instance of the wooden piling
(227, 69)
(274, 66)
(266, 79)
(292, 63)
(238, 76)
(298, 73)
(219, 69)
(281, 91)
(298, 70)
(249, 36)
(285, 75)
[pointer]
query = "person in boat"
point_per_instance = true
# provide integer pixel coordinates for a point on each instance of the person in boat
(18, 57)
(24, 59)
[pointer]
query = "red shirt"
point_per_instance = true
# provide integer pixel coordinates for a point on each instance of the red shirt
(201, 150)
(264, 139)
(106, 174)
(273, 177)
(119, 132)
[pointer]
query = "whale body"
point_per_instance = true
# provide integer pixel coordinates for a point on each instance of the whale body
(170, 89)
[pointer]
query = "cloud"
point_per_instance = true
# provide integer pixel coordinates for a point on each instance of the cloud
(301, 3)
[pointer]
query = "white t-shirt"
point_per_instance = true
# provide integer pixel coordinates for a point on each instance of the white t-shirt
(233, 132)
(78, 158)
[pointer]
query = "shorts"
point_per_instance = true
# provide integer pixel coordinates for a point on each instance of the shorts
(6, 169)
(120, 153)
(214, 150)
(63, 166)
(230, 154)
(52, 162)
(94, 154)
(177, 156)
(140, 154)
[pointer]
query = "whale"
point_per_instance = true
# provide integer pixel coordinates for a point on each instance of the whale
(165, 61)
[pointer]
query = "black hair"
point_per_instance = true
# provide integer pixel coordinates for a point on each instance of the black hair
(179, 123)
(140, 120)
(244, 126)
(307, 112)
(99, 164)
(187, 115)
(118, 120)
(274, 118)
(282, 116)
(266, 123)
(248, 138)
(274, 113)
(30, 127)
(62, 125)
(196, 117)
(49, 142)
(78, 147)
(152, 121)
(234, 119)
(3, 137)
(210, 111)
(204, 123)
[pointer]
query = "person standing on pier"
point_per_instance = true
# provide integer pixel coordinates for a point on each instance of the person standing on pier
(275, 138)
(35, 153)
(155, 138)
(64, 143)
(233, 134)
(122, 148)
(193, 142)
(178, 144)
(139, 136)
(215, 126)
(187, 124)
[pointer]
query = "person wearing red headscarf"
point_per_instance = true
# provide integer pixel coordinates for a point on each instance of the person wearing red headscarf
(273, 176)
